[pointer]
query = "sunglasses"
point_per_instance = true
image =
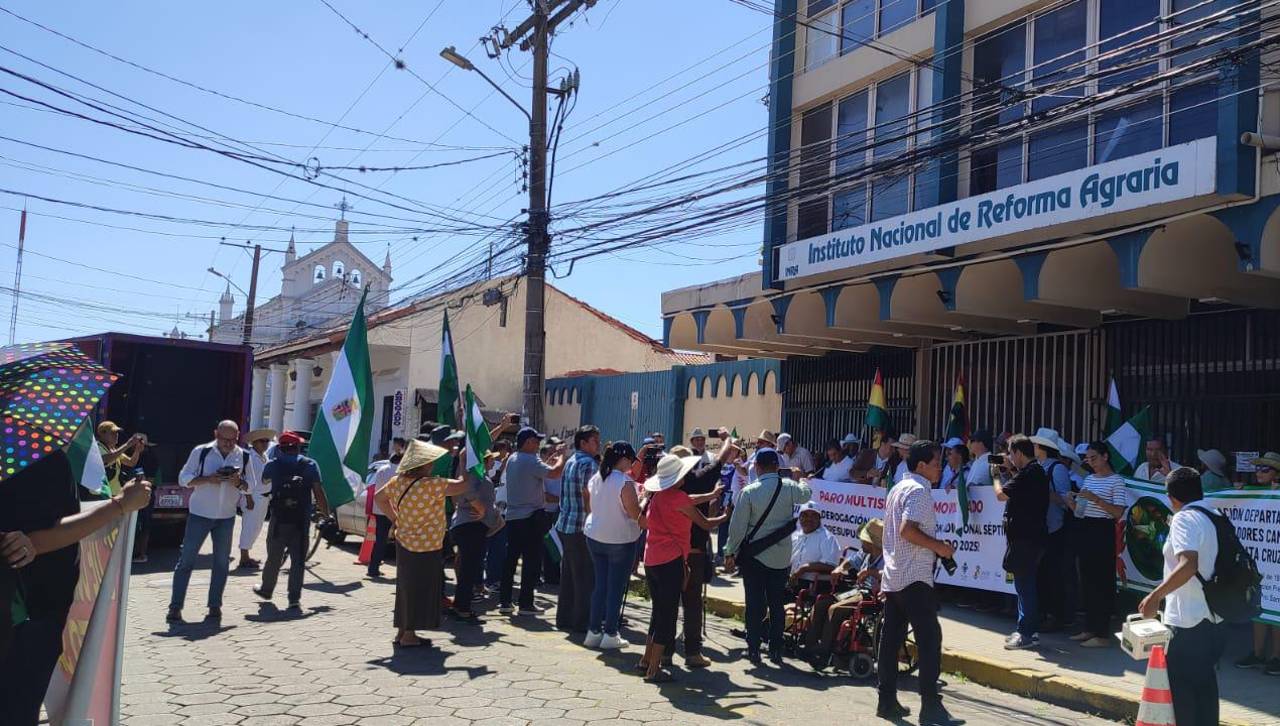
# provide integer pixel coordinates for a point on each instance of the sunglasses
(1265, 469)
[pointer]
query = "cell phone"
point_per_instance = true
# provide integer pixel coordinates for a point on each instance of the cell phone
(513, 418)
(227, 471)
(949, 564)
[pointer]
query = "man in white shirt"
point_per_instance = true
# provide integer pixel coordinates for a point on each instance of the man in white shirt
(839, 467)
(217, 472)
(253, 505)
(795, 457)
(814, 550)
(980, 452)
(1190, 550)
(1158, 464)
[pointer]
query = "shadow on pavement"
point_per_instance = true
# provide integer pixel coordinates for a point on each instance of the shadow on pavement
(269, 612)
(192, 632)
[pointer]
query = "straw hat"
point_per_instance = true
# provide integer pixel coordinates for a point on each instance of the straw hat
(1213, 460)
(905, 441)
(1048, 438)
(1271, 459)
(873, 532)
(769, 436)
(419, 453)
(697, 433)
(681, 451)
(849, 440)
(953, 442)
(671, 469)
(260, 434)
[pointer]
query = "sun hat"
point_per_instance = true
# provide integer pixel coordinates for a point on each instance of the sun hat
(767, 435)
(681, 450)
(697, 434)
(1271, 459)
(783, 440)
(1047, 438)
(873, 532)
(288, 438)
(849, 440)
(419, 453)
(953, 442)
(671, 469)
(1213, 460)
(252, 436)
(905, 441)
(1065, 449)
(1081, 449)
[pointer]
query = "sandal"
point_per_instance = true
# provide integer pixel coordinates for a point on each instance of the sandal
(422, 643)
(660, 677)
(642, 666)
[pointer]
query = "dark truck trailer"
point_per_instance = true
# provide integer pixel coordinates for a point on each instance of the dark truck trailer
(175, 391)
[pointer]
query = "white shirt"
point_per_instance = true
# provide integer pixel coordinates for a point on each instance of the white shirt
(1109, 489)
(1144, 471)
(980, 472)
(256, 463)
(906, 563)
(379, 480)
(1190, 531)
(839, 471)
(901, 471)
(816, 546)
(801, 461)
(216, 501)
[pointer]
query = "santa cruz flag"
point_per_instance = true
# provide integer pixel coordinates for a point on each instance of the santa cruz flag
(478, 440)
(340, 436)
(447, 402)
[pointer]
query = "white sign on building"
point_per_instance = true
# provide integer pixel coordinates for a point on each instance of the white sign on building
(1156, 177)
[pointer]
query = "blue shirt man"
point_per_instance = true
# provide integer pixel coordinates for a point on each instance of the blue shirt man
(290, 481)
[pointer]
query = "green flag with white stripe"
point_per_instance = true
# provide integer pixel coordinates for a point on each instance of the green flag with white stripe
(478, 439)
(1126, 442)
(86, 461)
(447, 401)
(340, 436)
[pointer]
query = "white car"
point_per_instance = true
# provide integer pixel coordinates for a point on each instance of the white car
(351, 516)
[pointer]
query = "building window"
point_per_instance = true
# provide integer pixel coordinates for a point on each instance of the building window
(840, 27)
(1093, 41)
(815, 171)
(319, 274)
(339, 269)
(355, 278)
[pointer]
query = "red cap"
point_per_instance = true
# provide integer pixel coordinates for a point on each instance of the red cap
(289, 438)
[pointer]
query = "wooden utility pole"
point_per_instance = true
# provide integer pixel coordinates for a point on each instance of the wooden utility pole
(253, 294)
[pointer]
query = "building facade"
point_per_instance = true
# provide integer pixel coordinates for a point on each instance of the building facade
(486, 321)
(317, 290)
(1036, 196)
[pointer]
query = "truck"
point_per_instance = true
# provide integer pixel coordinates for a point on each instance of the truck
(175, 391)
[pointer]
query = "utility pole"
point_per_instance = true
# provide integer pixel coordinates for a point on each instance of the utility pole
(17, 275)
(253, 293)
(211, 324)
(537, 28)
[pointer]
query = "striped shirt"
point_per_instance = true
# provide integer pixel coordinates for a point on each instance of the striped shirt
(573, 514)
(1109, 489)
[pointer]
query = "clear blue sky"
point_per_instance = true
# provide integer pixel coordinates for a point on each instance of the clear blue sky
(298, 56)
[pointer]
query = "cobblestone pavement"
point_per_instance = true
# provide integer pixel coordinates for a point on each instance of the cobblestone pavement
(335, 665)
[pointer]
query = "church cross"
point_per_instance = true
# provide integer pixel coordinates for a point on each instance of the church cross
(343, 206)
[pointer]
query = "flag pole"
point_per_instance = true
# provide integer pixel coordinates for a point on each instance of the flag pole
(17, 274)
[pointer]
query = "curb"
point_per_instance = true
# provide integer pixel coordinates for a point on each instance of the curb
(1003, 676)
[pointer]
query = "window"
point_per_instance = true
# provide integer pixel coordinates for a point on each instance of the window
(355, 278)
(1110, 46)
(843, 26)
(319, 274)
(339, 269)
(893, 106)
(815, 170)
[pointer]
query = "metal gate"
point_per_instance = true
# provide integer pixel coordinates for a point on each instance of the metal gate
(825, 398)
(1212, 380)
(1020, 384)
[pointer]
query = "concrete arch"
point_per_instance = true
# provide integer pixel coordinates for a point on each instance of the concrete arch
(733, 383)
(752, 381)
(718, 386)
(1269, 244)
(1195, 257)
(1058, 280)
(683, 333)
(769, 377)
(916, 299)
(992, 289)
(695, 387)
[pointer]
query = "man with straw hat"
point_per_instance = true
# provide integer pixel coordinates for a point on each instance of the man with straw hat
(414, 501)
(253, 517)
(829, 612)
(1214, 476)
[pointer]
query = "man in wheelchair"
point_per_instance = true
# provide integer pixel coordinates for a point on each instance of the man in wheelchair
(857, 580)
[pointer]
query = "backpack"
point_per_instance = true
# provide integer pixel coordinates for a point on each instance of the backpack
(1234, 591)
(204, 454)
(291, 495)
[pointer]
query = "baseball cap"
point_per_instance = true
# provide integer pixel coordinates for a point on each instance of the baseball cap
(766, 457)
(108, 427)
(526, 433)
(289, 438)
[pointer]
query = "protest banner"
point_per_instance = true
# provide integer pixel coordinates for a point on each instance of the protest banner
(85, 687)
(1255, 513)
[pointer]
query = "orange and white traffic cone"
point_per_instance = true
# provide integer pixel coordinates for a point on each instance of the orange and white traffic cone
(1156, 708)
(366, 547)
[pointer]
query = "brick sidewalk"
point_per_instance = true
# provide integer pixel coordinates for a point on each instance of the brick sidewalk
(335, 665)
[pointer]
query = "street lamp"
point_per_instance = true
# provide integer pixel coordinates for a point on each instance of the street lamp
(247, 332)
(230, 282)
(452, 55)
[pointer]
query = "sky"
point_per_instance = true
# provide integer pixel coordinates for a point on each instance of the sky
(661, 81)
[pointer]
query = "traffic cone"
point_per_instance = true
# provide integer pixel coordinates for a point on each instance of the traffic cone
(1156, 708)
(370, 536)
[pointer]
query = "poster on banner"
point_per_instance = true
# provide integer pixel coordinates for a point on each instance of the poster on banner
(85, 686)
(1255, 513)
(846, 507)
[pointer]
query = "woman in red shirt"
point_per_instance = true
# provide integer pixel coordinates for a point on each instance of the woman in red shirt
(668, 511)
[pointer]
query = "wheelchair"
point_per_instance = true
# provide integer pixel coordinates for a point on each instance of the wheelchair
(857, 640)
(799, 613)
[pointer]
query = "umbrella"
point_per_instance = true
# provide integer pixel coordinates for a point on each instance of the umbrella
(47, 390)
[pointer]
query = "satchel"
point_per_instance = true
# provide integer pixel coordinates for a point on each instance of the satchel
(751, 546)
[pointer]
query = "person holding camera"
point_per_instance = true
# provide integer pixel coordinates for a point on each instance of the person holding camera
(910, 555)
(217, 473)
(291, 481)
(1023, 486)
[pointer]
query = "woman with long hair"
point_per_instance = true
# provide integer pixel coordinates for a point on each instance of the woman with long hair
(957, 468)
(1100, 502)
(612, 528)
(668, 511)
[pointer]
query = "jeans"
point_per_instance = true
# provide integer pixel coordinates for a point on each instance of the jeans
(1193, 673)
(1028, 603)
(381, 533)
(550, 566)
(469, 564)
(691, 603)
(198, 528)
(611, 565)
(1096, 548)
(722, 536)
(1025, 560)
(143, 536)
(916, 604)
(291, 539)
(577, 582)
(26, 668)
(524, 542)
(495, 557)
(665, 582)
(765, 590)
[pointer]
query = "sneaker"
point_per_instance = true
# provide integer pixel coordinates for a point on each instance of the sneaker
(174, 616)
(1018, 641)
(593, 639)
(1251, 661)
(295, 608)
(1273, 667)
(613, 642)
(754, 657)
(1097, 642)
(935, 714)
(531, 610)
(505, 609)
(697, 660)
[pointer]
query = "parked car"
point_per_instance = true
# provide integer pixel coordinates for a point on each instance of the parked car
(351, 516)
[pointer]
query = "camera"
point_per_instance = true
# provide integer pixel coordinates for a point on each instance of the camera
(227, 471)
(996, 459)
(948, 564)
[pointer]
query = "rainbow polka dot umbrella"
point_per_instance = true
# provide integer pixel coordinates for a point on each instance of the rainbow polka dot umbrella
(46, 392)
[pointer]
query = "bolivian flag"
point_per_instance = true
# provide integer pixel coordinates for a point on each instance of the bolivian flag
(958, 422)
(877, 412)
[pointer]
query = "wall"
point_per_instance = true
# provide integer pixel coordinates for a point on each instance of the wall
(735, 402)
